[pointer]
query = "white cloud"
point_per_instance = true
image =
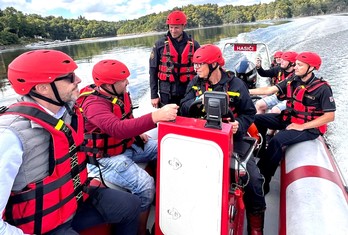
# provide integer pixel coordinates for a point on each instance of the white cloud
(110, 10)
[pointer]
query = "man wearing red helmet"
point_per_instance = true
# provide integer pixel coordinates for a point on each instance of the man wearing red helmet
(310, 107)
(277, 58)
(278, 74)
(44, 187)
(116, 138)
(171, 65)
(208, 62)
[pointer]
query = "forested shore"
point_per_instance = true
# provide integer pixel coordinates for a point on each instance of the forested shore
(18, 28)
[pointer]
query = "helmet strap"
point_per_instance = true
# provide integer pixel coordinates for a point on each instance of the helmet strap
(211, 69)
(304, 75)
(289, 65)
(113, 92)
(59, 101)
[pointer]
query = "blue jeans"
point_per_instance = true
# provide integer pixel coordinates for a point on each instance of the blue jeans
(104, 205)
(122, 171)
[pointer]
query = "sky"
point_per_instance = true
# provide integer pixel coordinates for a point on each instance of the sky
(109, 10)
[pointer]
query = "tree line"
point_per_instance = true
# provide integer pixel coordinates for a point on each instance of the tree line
(19, 28)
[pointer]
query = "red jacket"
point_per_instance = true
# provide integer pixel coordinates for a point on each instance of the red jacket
(99, 114)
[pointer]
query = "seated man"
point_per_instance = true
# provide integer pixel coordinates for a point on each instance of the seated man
(208, 61)
(278, 74)
(310, 106)
(118, 136)
(44, 186)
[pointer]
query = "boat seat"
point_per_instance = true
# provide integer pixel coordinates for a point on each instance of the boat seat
(244, 149)
(242, 152)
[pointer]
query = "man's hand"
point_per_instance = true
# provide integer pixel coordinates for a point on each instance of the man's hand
(166, 113)
(235, 126)
(144, 137)
(155, 102)
(294, 126)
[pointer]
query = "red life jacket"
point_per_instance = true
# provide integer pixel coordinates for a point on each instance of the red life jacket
(100, 144)
(42, 206)
(298, 113)
(280, 77)
(174, 65)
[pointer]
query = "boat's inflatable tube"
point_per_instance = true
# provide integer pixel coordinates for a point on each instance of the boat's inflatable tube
(313, 199)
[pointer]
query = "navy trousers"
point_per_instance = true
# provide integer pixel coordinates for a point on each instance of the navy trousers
(253, 197)
(271, 157)
(105, 205)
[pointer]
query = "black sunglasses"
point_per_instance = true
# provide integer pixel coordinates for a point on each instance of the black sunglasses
(70, 77)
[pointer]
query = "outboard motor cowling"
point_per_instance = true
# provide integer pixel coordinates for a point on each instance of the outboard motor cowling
(246, 71)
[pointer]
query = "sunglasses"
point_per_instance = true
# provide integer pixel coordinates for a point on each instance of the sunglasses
(70, 77)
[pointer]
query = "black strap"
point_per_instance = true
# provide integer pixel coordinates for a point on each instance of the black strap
(30, 195)
(38, 208)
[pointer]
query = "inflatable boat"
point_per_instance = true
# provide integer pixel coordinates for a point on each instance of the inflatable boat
(197, 189)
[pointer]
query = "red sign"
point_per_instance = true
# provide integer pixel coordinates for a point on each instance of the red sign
(245, 47)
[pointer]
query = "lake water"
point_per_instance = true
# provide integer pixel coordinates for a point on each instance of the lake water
(326, 35)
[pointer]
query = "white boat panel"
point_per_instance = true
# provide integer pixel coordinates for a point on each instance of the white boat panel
(190, 186)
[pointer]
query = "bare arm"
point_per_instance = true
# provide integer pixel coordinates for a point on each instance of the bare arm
(264, 90)
(324, 119)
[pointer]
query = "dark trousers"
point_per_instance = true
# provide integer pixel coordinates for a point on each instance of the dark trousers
(170, 99)
(105, 205)
(270, 158)
(254, 198)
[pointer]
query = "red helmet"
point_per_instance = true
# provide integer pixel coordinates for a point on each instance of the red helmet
(289, 56)
(209, 54)
(176, 17)
(278, 54)
(109, 72)
(37, 67)
(310, 58)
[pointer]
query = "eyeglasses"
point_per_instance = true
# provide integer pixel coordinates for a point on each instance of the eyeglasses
(70, 77)
(197, 66)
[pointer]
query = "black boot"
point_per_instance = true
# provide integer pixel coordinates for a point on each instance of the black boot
(255, 222)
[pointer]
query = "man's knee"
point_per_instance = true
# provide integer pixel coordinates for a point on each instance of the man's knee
(260, 106)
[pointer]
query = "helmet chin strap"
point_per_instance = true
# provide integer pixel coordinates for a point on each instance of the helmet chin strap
(113, 92)
(59, 101)
(306, 73)
(211, 69)
(289, 65)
